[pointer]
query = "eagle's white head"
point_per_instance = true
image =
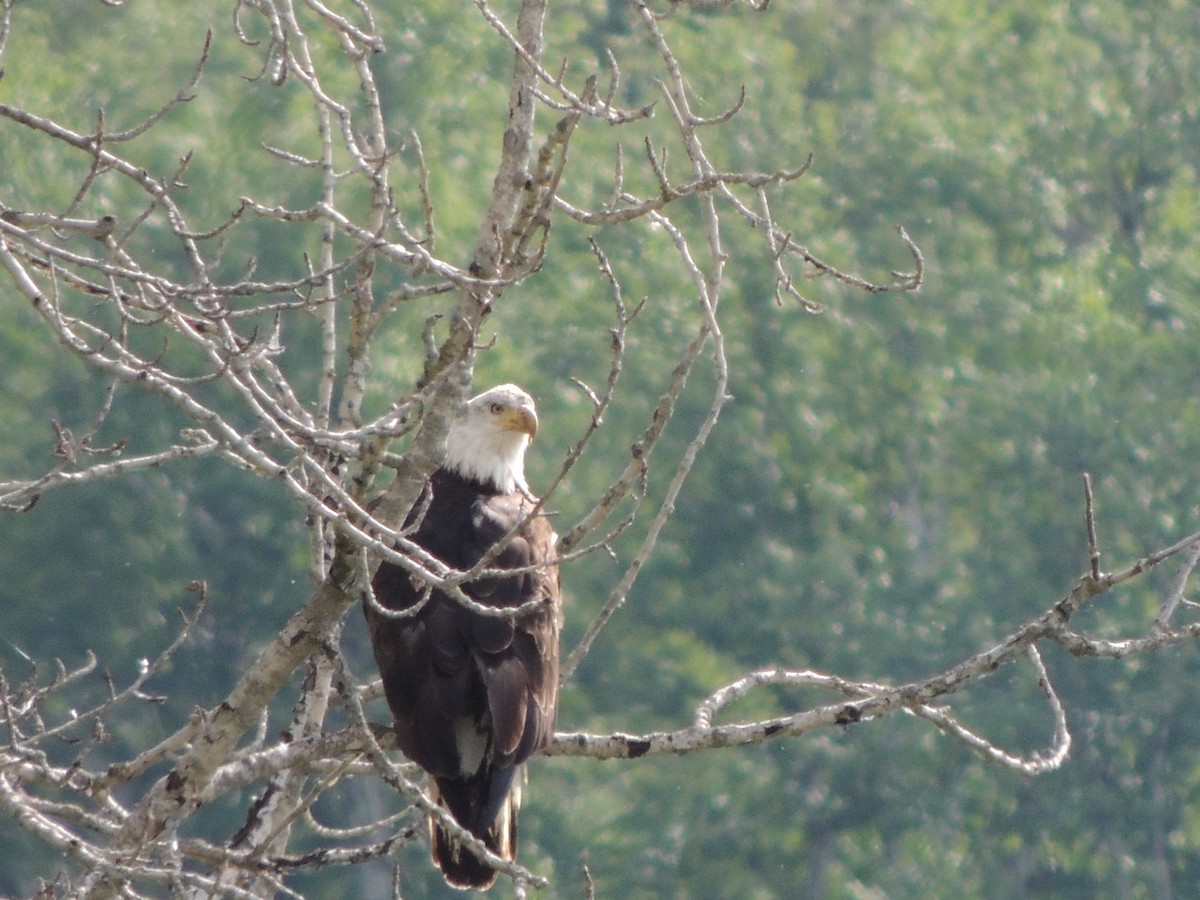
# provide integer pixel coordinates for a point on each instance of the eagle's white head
(487, 443)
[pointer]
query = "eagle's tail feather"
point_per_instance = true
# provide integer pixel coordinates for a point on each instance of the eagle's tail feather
(459, 864)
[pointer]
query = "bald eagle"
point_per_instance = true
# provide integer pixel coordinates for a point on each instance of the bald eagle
(474, 696)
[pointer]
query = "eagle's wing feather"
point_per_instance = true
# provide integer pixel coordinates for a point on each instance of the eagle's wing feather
(508, 691)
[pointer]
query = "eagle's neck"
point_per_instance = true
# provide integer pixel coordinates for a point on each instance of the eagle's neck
(492, 457)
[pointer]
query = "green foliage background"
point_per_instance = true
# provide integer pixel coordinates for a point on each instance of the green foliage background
(897, 483)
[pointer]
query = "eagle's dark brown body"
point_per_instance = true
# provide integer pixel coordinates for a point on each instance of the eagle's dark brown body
(472, 696)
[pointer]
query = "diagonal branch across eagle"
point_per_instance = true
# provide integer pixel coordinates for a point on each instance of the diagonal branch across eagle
(437, 575)
(451, 584)
(362, 729)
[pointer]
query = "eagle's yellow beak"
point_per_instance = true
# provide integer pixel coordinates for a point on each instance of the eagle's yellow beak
(522, 419)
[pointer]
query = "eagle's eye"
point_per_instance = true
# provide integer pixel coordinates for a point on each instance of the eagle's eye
(496, 407)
